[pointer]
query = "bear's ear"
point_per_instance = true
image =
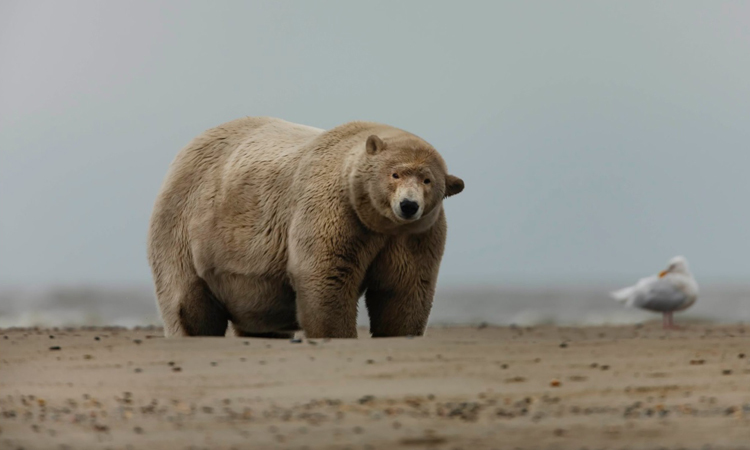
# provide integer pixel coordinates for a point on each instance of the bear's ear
(374, 145)
(453, 185)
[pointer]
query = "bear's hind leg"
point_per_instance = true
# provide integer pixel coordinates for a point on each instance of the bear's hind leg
(200, 312)
(193, 312)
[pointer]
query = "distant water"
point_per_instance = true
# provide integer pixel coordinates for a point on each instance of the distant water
(582, 305)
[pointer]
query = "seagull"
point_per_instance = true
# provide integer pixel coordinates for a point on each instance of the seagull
(674, 289)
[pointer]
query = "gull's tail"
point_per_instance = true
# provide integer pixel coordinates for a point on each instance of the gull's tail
(623, 295)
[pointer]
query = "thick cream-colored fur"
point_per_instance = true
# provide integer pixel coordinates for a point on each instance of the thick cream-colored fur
(275, 226)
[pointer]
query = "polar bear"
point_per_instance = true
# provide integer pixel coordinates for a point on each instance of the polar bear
(277, 227)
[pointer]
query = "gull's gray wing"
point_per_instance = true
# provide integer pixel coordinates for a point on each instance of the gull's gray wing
(661, 295)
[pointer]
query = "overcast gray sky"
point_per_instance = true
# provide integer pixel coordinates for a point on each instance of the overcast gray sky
(596, 139)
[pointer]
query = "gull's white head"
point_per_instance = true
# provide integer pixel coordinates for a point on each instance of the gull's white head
(678, 264)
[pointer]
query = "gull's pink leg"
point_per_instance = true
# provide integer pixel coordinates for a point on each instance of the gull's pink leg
(668, 321)
(665, 320)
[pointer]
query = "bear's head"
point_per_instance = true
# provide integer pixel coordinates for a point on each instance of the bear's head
(400, 184)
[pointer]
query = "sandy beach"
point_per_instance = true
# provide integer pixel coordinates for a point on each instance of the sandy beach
(456, 388)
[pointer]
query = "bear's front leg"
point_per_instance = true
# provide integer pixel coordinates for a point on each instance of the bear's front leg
(326, 309)
(327, 272)
(401, 283)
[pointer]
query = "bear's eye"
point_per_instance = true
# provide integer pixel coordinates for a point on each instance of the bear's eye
(395, 176)
(426, 181)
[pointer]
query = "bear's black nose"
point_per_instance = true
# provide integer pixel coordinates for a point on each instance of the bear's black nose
(409, 208)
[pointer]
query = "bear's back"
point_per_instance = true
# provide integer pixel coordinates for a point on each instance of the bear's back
(226, 154)
(248, 139)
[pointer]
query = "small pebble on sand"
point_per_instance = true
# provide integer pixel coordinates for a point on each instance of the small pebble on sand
(365, 399)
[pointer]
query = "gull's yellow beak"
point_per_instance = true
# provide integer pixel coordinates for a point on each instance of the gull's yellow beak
(662, 273)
